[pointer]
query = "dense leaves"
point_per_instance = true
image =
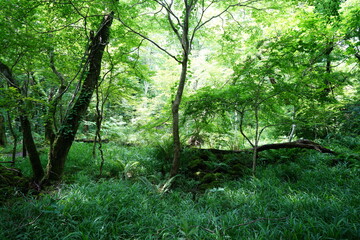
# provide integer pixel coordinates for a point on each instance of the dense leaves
(167, 77)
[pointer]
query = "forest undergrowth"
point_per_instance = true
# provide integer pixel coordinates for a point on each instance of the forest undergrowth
(296, 194)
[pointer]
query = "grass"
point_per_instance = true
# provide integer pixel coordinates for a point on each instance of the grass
(298, 198)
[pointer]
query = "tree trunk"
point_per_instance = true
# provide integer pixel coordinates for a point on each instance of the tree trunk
(67, 132)
(328, 89)
(185, 42)
(175, 119)
(2, 131)
(256, 142)
(31, 149)
(38, 171)
(15, 137)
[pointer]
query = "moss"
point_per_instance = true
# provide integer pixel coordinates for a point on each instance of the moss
(237, 169)
(11, 181)
(196, 164)
(208, 178)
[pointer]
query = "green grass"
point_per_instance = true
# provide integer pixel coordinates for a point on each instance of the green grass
(298, 198)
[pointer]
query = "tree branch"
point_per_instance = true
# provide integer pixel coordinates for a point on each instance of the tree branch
(242, 113)
(176, 31)
(148, 39)
(167, 6)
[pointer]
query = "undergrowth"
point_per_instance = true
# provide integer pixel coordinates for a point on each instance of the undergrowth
(297, 194)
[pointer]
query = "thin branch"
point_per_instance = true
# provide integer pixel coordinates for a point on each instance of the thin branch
(17, 61)
(83, 16)
(148, 39)
(208, 230)
(53, 68)
(176, 31)
(200, 20)
(76, 9)
(244, 4)
(267, 98)
(233, 18)
(168, 9)
(272, 125)
(242, 113)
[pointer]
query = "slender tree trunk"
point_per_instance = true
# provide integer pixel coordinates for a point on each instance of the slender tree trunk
(328, 89)
(292, 133)
(256, 142)
(70, 125)
(175, 119)
(2, 131)
(99, 119)
(185, 42)
(15, 137)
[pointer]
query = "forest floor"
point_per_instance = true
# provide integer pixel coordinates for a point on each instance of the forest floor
(296, 194)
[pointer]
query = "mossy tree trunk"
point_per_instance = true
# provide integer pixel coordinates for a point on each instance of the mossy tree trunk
(66, 134)
(61, 141)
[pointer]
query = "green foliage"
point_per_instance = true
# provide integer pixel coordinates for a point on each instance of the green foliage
(295, 62)
(9, 98)
(350, 119)
(295, 199)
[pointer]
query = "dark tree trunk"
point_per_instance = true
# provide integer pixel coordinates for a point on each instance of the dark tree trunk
(15, 137)
(329, 88)
(28, 139)
(2, 131)
(31, 149)
(70, 125)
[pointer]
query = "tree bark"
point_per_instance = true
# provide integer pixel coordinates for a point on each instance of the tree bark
(29, 142)
(67, 131)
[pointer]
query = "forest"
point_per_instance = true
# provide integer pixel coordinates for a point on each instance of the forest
(179, 119)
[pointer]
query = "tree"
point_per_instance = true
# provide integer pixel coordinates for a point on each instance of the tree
(70, 125)
(61, 141)
(3, 140)
(257, 101)
(185, 20)
(292, 76)
(28, 140)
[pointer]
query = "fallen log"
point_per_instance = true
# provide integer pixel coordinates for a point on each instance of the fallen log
(92, 140)
(302, 143)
